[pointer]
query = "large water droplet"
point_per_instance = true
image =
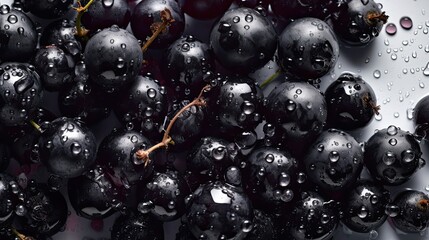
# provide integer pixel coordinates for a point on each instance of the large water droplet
(406, 23)
(363, 212)
(389, 158)
(108, 3)
(76, 148)
(284, 179)
(391, 29)
(334, 156)
(392, 130)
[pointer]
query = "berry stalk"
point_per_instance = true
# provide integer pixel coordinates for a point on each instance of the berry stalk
(81, 31)
(21, 236)
(159, 27)
(143, 155)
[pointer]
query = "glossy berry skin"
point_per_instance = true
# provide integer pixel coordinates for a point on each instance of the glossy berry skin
(48, 9)
(26, 136)
(103, 14)
(82, 100)
(313, 218)
(22, 93)
(8, 199)
(92, 194)
(353, 25)
(210, 157)
(113, 58)
(237, 105)
(210, 209)
(203, 9)
(243, 40)
(185, 63)
(67, 147)
(61, 33)
(164, 196)
(299, 111)
(307, 49)
(413, 214)
(146, 15)
(264, 227)
(143, 103)
(351, 102)
(46, 211)
(253, 3)
(4, 156)
(295, 9)
(137, 227)
(271, 176)
(392, 156)
(421, 117)
(18, 36)
(364, 207)
(117, 153)
(334, 161)
(55, 67)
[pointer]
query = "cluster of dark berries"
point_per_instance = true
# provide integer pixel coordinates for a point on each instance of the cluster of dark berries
(194, 137)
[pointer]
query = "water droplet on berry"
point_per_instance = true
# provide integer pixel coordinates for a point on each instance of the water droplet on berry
(408, 155)
(392, 210)
(76, 148)
(334, 156)
(363, 212)
(284, 179)
(389, 158)
(108, 3)
(392, 130)
(269, 158)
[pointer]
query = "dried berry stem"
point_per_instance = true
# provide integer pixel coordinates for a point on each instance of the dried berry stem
(369, 103)
(166, 140)
(81, 31)
(36, 126)
(158, 28)
(21, 236)
(270, 79)
(423, 204)
(374, 17)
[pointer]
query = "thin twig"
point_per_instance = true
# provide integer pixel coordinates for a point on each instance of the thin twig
(158, 28)
(81, 31)
(166, 139)
(270, 79)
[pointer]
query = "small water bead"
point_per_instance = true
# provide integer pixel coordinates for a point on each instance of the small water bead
(426, 70)
(246, 226)
(269, 158)
(394, 56)
(406, 23)
(378, 117)
(408, 156)
(393, 141)
(377, 74)
(284, 179)
(334, 156)
(392, 210)
(76, 148)
(410, 113)
(373, 234)
(396, 114)
(363, 212)
(391, 29)
(392, 130)
(389, 158)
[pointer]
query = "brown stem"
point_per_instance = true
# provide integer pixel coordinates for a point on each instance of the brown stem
(369, 103)
(21, 236)
(423, 204)
(81, 31)
(36, 126)
(374, 17)
(159, 27)
(143, 155)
